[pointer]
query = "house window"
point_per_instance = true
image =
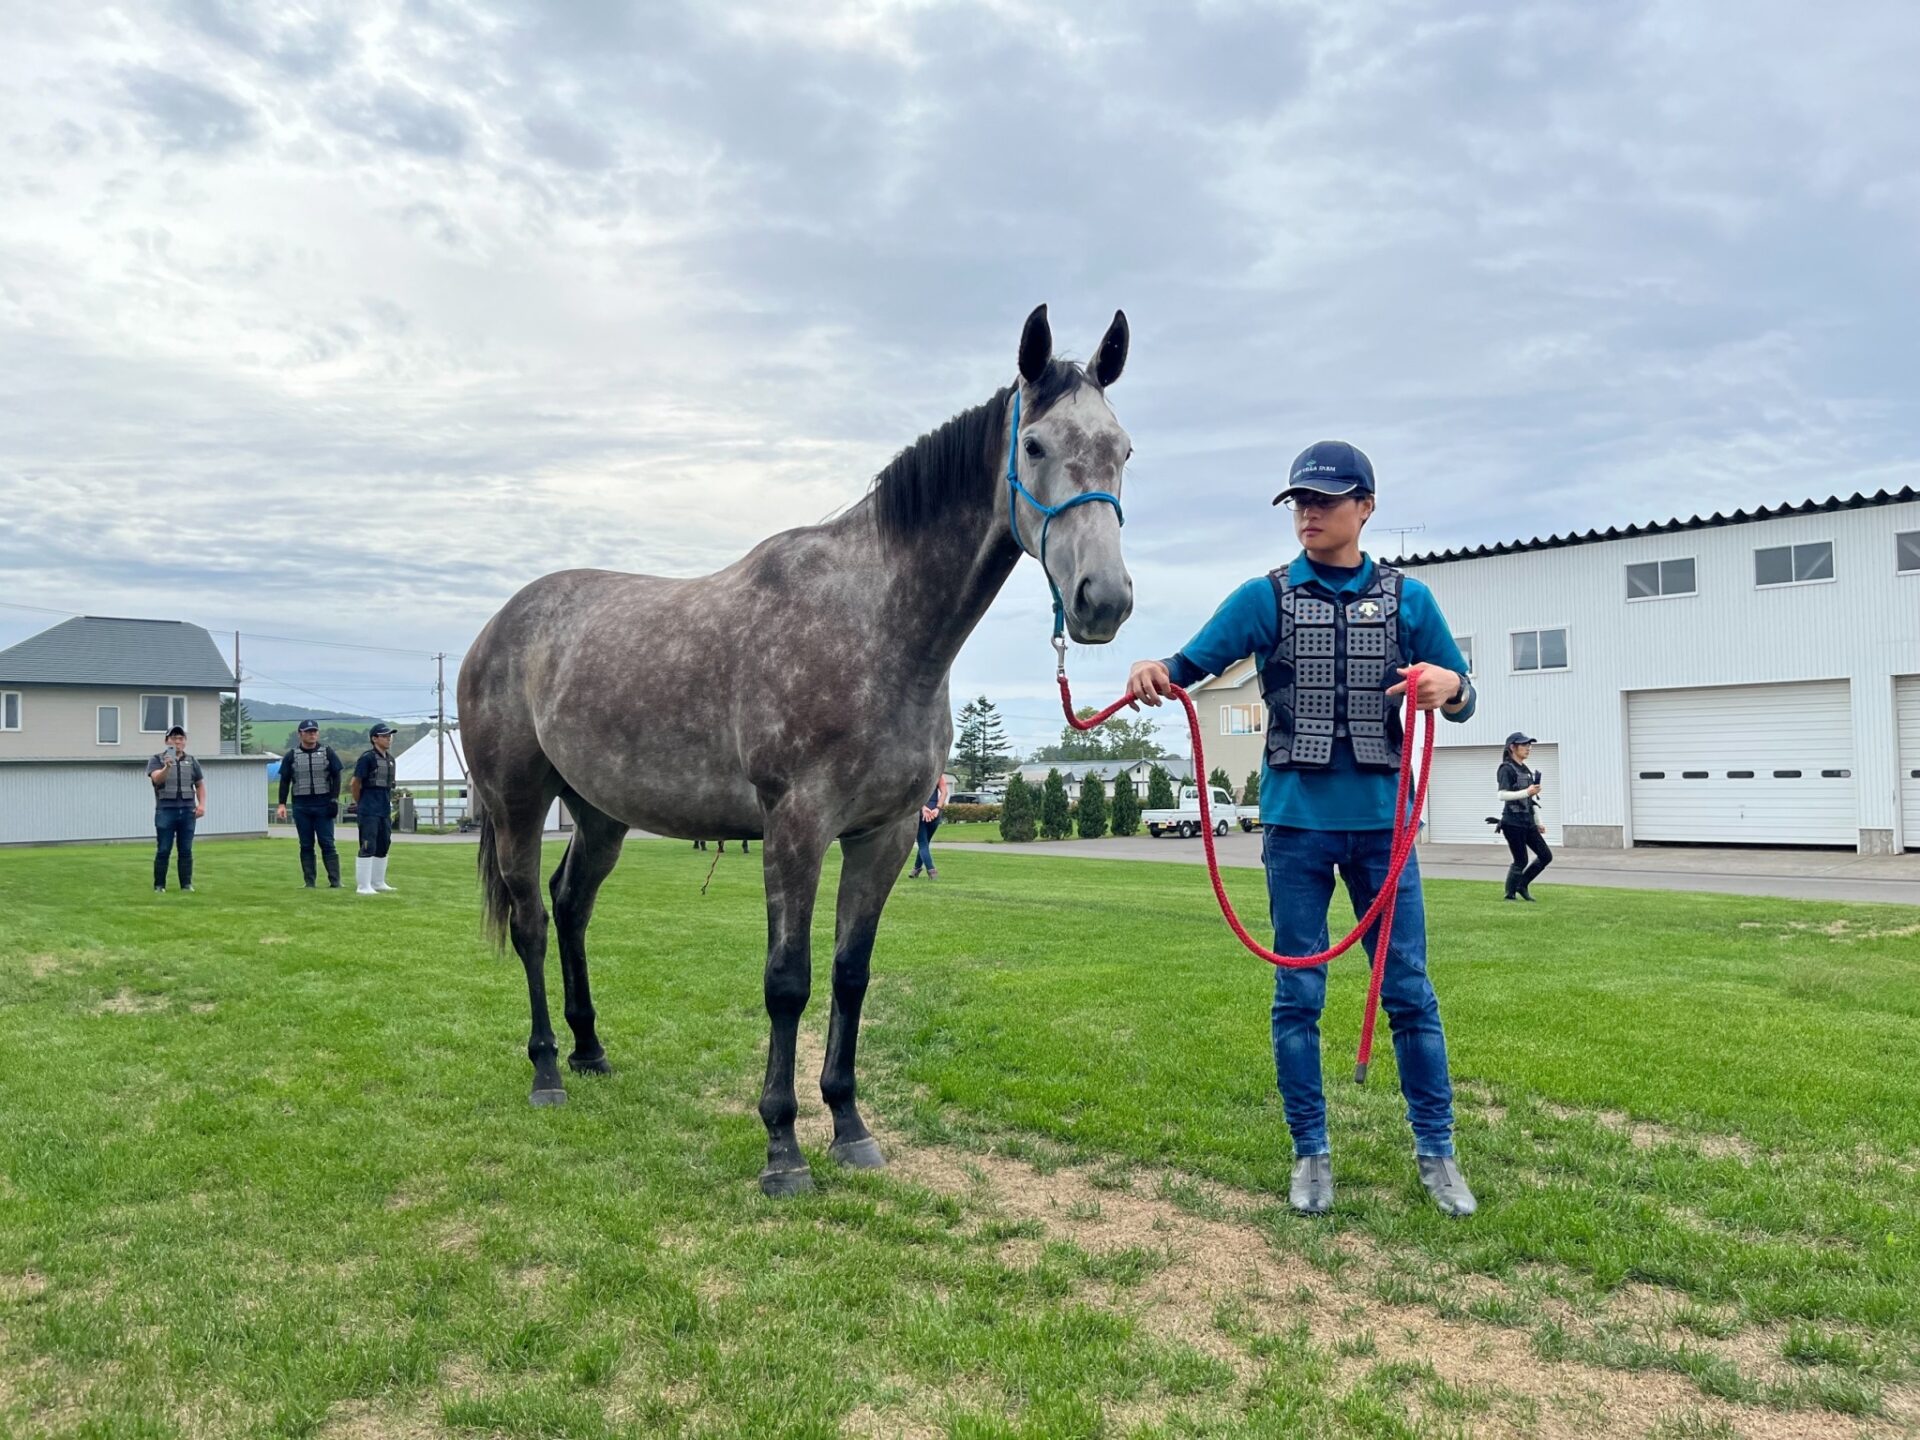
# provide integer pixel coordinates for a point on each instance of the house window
(1906, 553)
(1243, 719)
(1793, 564)
(1465, 642)
(10, 710)
(160, 713)
(107, 726)
(1655, 579)
(1540, 649)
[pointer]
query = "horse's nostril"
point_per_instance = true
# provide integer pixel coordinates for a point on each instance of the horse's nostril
(1082, 593)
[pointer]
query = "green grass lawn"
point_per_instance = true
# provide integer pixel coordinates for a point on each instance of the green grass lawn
(267, 1168)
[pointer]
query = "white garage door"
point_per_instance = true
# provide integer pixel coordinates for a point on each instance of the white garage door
(1759, 765)
(1906, 692)
(1461, 794)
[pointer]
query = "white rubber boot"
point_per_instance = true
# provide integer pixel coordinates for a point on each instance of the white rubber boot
(380, 875)
(362, 875)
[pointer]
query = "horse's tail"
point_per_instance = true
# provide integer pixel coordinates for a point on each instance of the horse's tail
(497, 917)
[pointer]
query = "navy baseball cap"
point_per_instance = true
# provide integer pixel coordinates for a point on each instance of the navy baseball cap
(176, 730)
(309, 727)
(1329, 467)
(381, 729)
(1519, 737)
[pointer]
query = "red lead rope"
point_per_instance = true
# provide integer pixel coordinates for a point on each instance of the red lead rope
(1406, 830)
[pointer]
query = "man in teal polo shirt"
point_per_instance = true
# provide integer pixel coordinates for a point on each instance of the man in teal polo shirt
(1335, 633)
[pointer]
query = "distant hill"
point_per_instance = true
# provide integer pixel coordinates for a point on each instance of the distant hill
(259, 710)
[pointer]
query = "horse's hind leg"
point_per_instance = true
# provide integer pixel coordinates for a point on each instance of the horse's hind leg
(516, 839)
(870, 865)
(591, 856)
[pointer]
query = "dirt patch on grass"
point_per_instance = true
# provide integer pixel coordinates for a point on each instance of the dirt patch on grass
(39, 967)
(1223, 1284)
(125, 1002)
(358, 1420)
(1647, 1134)
(27, 1285)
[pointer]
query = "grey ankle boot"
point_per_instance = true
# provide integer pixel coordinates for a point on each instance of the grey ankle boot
(1311, 1192)
(1448, 1187)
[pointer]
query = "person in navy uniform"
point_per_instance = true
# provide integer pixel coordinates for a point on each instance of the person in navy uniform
(310, 772)
(1518, 786)
(373, 798)
(179, 801)
(1336, 633)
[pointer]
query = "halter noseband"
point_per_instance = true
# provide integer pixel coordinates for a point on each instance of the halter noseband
(1016, 489)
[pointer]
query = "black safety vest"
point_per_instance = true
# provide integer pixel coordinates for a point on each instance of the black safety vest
(382, 776)
(177, 784)
(311, 771)
(1327, 677)
(1515, 776)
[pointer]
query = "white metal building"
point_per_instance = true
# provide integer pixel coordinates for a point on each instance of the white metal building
(1742, 679)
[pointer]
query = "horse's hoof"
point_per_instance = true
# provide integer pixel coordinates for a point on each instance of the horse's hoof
(862, 1154)
(778, 1184)
(599, 1065)
(541, 1099)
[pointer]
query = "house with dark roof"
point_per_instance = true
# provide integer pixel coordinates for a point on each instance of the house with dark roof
(97, 685)
(85, 704)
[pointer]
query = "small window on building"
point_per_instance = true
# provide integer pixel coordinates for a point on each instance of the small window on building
(1693, 774)
(1786, 774)
(1465, 642)
(107, 728)
(1793, 564)
(10, 710)
(160, 713)
(1739, 774)
(1653, 774)
(1653, 579)
(1243, 719)
(1539, 649)
(1906, 551)
(1836, 774)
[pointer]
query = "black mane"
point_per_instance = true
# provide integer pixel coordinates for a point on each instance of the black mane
(954, 466)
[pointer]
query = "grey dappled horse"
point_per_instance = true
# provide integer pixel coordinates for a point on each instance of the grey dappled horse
(798, 695)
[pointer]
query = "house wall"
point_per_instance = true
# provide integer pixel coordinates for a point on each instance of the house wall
(58, 721)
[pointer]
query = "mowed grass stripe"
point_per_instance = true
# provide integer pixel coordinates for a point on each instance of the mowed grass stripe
(266, 1153)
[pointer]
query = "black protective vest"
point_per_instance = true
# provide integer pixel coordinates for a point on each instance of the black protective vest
(178, 782)
(309, 769)
(1515, 776)
(1327, 677)
(382, 776)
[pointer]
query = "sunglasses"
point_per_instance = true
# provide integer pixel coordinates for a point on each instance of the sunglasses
(1308, 500)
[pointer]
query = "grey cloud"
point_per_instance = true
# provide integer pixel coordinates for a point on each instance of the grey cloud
(183, 114)
(557, 138)
(299, 45)
(401, 119)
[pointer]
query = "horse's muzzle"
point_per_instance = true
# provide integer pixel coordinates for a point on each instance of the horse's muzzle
(1101, 605)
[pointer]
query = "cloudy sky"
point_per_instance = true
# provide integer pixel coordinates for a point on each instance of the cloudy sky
(340, 322)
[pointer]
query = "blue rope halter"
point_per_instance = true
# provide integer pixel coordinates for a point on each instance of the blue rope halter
(1015, 488)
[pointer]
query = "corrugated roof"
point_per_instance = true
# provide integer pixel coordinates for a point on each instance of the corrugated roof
(1667, 527)
(102, 650)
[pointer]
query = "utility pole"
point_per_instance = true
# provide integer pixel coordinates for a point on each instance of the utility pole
(237, 712)
(440, 741)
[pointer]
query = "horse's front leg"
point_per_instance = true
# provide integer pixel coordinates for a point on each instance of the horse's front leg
(871, 863)
(791, 859)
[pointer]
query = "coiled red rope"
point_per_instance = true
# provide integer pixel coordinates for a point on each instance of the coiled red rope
(1406, 829)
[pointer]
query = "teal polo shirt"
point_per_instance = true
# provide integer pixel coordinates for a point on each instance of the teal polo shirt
(1340, 795)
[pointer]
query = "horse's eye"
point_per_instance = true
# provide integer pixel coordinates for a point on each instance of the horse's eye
(1034, 452)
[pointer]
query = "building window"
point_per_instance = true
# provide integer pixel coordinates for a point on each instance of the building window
(1906, 553)
(1243, 719)
(1465, 642)
(1540, 649)
(107, 727)
(160, 713)
(1656, 579)
(10, 710)
(1793, 564)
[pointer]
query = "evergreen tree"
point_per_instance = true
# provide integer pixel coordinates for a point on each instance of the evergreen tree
(1250, 792)
(994, 749)
(1018, 813)
(244, 733)
(1056, 815)
(980, 743)
(1125, 819)
(1159, 789)
(1219, 779)
(1091, 817)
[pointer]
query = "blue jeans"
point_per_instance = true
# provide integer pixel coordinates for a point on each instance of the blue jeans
(1300, 866)
(173, 824)
(313, 820)
(924, 861)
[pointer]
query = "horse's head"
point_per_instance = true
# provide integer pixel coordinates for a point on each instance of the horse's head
(1067, 452)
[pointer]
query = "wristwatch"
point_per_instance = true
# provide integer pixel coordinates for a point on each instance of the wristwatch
(1461, 693)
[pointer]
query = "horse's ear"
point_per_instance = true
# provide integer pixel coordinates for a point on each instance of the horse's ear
(1111, 358)
(1036, 346)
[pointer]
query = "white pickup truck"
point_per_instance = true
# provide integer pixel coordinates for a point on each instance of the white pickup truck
(1184, 819)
